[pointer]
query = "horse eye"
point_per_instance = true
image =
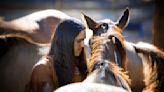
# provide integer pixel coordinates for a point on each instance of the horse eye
(104, 26)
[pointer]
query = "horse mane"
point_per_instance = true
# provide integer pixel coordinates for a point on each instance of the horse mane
(119, 71)
(120, 45)
(98, 49)
(115, 32)
(153, 61)
(96, 53)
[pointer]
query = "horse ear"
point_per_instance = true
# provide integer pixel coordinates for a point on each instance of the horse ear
(124, 19)
(89, 23)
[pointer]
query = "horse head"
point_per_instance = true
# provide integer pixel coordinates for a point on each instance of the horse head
(102, 65)
(110, 29)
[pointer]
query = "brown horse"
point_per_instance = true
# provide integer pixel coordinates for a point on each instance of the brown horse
(103, 68)
(20, 49)
(108, 28)
(126, 57)
(153, 65)
(35, 28)
(43, 77)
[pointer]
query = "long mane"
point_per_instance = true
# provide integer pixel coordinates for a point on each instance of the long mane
(119, 71)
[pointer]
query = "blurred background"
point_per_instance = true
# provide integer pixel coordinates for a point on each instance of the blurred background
(140, 27)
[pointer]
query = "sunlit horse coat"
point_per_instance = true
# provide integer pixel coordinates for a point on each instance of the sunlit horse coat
(153, 65)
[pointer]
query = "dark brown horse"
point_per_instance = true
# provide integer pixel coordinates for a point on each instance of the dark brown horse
(20, 46)
(153, 65)
(125, 57)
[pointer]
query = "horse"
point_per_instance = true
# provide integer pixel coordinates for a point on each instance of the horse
(126, 58)
(33, 27)
(24, 41)
(89, 87)
(153, 63)
(108, 28)
(43, 77)
(102, 67)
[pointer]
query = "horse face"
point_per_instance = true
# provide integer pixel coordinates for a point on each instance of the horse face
(105, 25)
(106, 28)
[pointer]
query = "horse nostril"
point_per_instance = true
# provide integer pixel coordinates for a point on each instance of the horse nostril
(101, 63)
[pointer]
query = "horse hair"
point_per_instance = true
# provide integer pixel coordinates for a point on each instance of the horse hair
(98, 54)
(153, 63)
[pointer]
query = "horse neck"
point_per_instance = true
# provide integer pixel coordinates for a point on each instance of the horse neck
(98, 52)
(110, 74)
(121, 76)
